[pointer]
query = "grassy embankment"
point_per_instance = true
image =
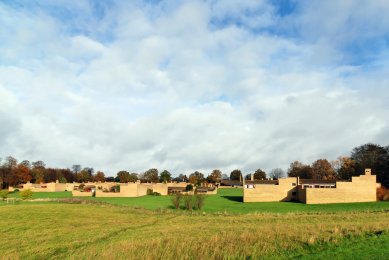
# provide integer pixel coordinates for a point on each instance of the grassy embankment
(277, 230)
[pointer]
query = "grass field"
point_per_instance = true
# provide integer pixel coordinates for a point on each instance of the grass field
(147, 228)
(227, 200)
(59, 230)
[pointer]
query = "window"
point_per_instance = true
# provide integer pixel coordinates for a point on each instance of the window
(294, 184)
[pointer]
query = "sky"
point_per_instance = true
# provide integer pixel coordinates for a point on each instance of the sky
(192, 85)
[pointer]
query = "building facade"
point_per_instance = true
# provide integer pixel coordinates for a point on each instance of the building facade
(359, 189)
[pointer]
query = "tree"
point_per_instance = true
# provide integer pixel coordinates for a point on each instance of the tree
(133, 177)
(236, 175)
(181, 178)
(85, 175)
(38, 171)
(259, 175)
(76, 169)
(276, 173)
(9, 171)
(375, 157)
(345, 167)
(165, 176)
(23, 173)
(110, 179)
(196, 178)
(123, 176)
(100, 176)
(297, 169)
(151, 175)
(215, 176)
(323, 170)
(225, 177)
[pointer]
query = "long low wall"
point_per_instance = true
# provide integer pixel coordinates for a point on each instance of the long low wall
(284, 191)
(361, 189)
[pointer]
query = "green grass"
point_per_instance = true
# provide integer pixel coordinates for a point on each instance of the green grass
(227, 200)
(85, 231)
(44, 195)
(230, 200)
(369, 246)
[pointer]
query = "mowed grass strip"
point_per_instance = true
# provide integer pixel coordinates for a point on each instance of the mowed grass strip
(57, 231)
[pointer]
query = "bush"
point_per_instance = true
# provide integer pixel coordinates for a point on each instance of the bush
(382, 193)
(4, 194)
(81, 187)
(26, 194)
(149, 192)
(115, 188)
(199, 201)
(189, 187)
(156, 194)
(188, 201)
(176, 200)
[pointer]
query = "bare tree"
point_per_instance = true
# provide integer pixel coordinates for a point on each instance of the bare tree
(277, 173)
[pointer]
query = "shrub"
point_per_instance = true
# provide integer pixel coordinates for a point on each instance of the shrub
(188, 201)
(149, 192)
(115, 188)
(81, 187)
(176, 200)
(26, 194)
(189, 187)
(199, 201)
(382, 193)
(156, 194)
(4, 194)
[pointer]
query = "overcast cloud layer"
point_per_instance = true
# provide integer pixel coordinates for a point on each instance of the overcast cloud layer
(192, 85)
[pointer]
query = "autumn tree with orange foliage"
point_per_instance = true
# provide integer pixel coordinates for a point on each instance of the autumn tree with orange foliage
(100, 176)
(23, 173)
(323, 170)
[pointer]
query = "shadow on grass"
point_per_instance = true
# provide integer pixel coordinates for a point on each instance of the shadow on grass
(234, 198)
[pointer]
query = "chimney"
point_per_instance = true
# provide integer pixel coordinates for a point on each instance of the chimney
(367, 171)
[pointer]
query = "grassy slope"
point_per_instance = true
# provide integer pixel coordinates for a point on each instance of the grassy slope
(54, 230)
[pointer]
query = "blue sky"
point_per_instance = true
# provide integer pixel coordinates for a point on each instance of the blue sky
(191, 85)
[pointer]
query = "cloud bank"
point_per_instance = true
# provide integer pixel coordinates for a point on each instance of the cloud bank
(192, 85)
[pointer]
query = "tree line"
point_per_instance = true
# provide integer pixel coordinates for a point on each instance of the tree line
(369, 155)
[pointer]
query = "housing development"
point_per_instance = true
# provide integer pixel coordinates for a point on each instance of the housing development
(310, 191)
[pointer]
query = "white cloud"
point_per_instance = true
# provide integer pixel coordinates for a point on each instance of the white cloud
(161, 85)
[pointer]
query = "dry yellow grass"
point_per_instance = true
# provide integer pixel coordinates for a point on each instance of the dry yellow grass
(51, 230)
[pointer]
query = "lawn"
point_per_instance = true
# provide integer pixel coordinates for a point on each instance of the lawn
(45, 195)
(85, 231)
(229, 201)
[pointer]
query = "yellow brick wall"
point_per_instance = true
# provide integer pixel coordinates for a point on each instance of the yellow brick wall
(361, 189)
(270, 192)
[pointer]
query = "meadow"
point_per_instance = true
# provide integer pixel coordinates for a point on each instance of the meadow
(148, 228)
